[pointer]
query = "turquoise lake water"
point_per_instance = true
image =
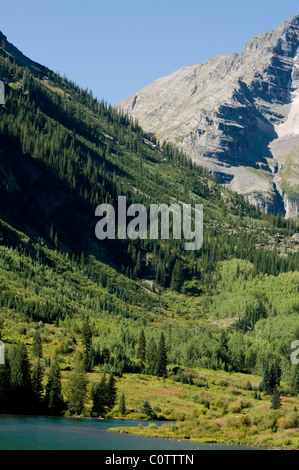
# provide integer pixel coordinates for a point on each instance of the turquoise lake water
(50, 433)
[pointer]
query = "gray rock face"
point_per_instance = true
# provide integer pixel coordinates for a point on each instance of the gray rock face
(237, 115)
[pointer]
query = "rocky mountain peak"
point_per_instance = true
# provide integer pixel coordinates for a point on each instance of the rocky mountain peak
(292, 22)
(225, 114)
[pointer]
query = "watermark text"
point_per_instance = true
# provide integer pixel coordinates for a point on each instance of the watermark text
(187, 222)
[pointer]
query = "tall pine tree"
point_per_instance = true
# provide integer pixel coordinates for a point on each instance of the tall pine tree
(122, 405)
(77, 388)
(20, 379)
(5, 389)
(161, 361)
(53, 398)
(99, 397)
(141, 347)
(111, 392)
(177, 278)
(37, 385)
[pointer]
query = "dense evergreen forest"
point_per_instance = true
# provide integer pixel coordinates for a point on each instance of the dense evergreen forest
(72, 304)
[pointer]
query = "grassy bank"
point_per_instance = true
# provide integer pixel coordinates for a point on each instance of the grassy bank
(220, 407)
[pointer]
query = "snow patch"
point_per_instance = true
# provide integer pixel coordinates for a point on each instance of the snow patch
(291, 125)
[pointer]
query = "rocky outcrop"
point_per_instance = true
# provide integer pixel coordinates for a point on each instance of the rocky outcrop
(291, 207)
(228, 114)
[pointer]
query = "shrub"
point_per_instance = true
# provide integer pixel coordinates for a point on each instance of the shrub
(245, 420)
(269, 421)
(152, 426)
(221, 382)
(245, 404)
(147, 410)
(234, 407)
(200, 383)
(232, 423)
(285, 423)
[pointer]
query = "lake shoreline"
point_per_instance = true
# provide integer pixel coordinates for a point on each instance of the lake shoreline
(133, 431)
(140, 429)
(23, 432)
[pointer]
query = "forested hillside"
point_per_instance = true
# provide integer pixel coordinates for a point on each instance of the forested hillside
(73, 305)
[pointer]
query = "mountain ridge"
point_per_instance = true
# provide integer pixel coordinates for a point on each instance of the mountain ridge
(224, 115)
(12, 51)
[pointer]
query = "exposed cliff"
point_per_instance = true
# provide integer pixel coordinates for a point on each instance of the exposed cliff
(237, 115)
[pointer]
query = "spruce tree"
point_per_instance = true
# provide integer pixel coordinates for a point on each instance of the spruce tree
(275, 400)
(89, 358)
(161, 361)
(122, 405)
(275, 374)
(37, 349)
(105, 355)
(151, 355)
(20, 379)
(222, 352)
(54, 401)
(5, 389)
(141, 347)
(147, 410)
(111, 392)
(177, 279)
(99, 397)
(86, 334)
(266, 384)
(77, 388)
(37, 385)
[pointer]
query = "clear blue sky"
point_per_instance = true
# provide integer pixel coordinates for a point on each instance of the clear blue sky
(116, 47)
